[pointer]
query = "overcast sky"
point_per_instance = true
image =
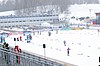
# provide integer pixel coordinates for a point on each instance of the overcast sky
(1, 1)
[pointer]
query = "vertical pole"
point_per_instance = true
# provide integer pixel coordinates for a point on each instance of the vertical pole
(44, 46)
(15, 43)
(98, 32)
(44, 53)
(90, 12)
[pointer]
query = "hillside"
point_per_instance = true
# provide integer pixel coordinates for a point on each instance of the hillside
(7, 5)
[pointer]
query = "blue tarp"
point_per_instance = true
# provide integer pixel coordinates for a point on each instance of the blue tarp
(66, 29)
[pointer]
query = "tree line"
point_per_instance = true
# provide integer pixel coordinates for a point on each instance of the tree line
(7, 5)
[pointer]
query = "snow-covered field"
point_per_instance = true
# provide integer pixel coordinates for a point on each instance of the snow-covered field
(84, 45)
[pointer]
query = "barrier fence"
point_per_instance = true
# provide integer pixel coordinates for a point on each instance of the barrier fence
(27, 59)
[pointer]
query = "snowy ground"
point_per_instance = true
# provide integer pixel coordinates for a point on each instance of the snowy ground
(84, 10)
(84, 45)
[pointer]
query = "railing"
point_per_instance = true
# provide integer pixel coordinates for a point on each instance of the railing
(40, 15)
(26, 59)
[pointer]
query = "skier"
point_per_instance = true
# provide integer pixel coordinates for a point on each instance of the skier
(40, 32)
(49, 33)
(17, 51)
(68, 51)
(17, 39)
(14, 39)
(64, 43)
(56, 31)
(28, 38)
(33, 32)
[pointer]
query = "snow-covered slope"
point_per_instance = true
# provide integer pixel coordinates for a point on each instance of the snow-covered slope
(84, 10)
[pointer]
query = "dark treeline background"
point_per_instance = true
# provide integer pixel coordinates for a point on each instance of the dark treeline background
(7, 5)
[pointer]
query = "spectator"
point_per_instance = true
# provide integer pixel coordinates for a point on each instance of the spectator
(4, 44)
(17, 51)
(6, 53)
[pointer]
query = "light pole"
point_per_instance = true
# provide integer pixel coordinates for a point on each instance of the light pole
(90, 12)
(44, 46)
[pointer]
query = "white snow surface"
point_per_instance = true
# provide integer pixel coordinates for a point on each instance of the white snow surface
(7, 13)
(84, 10)
(84, 45)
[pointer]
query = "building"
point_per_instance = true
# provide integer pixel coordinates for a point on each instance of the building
(98, 18)
(25, 21)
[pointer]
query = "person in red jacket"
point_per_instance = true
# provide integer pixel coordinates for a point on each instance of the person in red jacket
(17, 51)
(30, 37)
